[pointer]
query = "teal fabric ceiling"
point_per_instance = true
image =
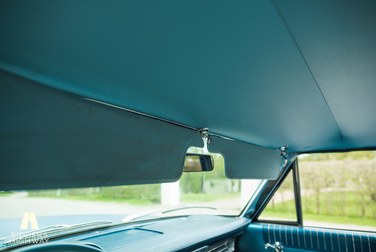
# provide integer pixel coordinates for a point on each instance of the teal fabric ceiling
(338, 42)
(297, 73)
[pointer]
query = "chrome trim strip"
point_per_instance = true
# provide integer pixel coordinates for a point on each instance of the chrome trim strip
(305, 244)
(331, 240)
(323, 236)
(310, 234)
(275, 239)
(280, 235)
(369, 245)
(156, 117)
(140, 113)
(346, 243)
(353, 241)
(269, 233)
(339, 245)
(286, 235)
(292, 237)
(318, 243)
(361, 245)
(290, 157)
(297, 234)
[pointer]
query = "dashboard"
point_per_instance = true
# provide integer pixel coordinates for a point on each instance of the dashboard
(197, 233)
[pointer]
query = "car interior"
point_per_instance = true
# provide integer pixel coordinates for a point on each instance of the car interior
(270, 104)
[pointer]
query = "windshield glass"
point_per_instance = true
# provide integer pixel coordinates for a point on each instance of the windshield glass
(77, 205)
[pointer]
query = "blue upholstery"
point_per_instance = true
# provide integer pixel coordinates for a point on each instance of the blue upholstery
(232, 67)
(319, 239)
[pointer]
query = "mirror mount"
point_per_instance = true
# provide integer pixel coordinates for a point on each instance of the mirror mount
(205, 134)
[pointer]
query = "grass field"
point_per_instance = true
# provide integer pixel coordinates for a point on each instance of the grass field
(94, 197)
(5, 193)
(184, 198)
(335, 207)
(341, 204)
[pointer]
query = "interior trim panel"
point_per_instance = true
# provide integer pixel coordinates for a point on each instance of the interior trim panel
(309, 238)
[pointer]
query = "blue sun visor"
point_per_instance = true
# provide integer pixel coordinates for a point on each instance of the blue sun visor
(246, 161)
(54, 139)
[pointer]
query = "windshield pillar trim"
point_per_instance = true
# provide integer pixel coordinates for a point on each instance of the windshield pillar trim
(266, 189)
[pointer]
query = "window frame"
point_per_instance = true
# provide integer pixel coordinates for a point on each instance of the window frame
(274, 186)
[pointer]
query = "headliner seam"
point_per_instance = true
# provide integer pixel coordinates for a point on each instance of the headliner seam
(19, 75)
(306, 63)
(23, 76)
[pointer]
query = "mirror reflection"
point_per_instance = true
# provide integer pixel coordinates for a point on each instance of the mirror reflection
(198, 163)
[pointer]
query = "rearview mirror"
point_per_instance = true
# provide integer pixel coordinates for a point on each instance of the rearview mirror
(198, 163)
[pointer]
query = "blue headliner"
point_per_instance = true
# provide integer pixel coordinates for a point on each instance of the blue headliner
(302, 74)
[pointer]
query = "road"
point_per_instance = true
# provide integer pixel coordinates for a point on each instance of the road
(15, 205)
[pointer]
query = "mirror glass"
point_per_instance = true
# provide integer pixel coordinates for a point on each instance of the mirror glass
(198, 163)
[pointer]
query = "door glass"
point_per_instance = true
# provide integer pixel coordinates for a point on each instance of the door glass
(339, 190)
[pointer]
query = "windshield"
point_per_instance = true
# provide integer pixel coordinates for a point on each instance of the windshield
(37, 209)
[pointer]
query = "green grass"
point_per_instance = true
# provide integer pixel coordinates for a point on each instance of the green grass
(332, 209)
(5, 193)
(136, 195)
(343, 204)
(94, 197)
(322, 218)
(184, 198)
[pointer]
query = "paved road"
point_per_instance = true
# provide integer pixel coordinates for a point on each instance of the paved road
(15, 205)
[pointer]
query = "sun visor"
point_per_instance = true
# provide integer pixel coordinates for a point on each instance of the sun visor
(246, 161)
(54, 139)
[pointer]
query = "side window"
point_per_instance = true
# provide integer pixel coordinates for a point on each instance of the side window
(281, 207)
(338, 190)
